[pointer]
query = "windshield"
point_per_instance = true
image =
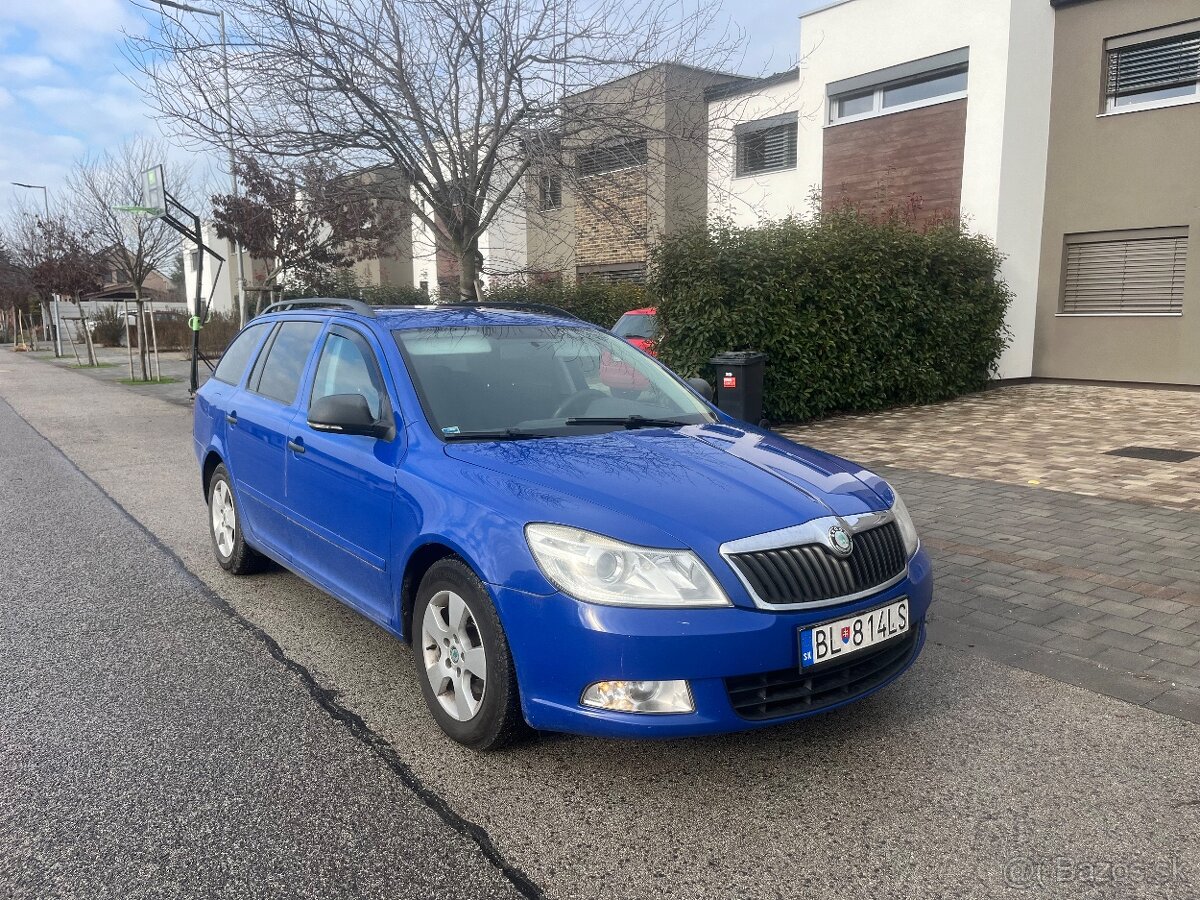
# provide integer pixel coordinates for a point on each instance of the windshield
(638, 325)
(537, 381)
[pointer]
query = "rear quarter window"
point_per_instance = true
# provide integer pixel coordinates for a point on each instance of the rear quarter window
(287, 355)
(237, 355)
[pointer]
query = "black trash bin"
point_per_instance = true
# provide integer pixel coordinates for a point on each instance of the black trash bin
(739, 384)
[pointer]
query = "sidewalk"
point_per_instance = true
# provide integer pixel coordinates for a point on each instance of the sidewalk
(114, 369)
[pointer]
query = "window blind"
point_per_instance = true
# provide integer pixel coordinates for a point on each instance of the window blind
(1154, 66)
(1143, 275)
(766, 149)
(610, 157)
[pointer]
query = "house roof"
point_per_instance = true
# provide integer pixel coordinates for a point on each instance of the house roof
(126, 292)
(721, 91)
(663, 65)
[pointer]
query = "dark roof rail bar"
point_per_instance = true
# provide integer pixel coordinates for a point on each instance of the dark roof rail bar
(514, 305)
(316, 302)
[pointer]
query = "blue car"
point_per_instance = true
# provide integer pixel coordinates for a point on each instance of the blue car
(559, 556)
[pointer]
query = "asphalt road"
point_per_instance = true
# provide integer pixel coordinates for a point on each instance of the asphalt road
(170, 730)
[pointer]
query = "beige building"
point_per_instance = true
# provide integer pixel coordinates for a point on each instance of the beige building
(1119, 286)
(597, 205)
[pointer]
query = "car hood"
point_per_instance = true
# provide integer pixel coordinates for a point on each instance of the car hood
(701, 484)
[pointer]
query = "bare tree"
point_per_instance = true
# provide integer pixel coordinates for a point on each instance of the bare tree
(305, 221)
(59, 258)
(463, 96)
(16, 290)
(133, 245)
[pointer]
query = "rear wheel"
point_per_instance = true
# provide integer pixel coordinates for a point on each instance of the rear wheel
(224, 525)
(467, 674)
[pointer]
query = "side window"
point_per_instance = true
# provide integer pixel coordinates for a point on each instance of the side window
(233, 364)
(284, 364)
(348, 366)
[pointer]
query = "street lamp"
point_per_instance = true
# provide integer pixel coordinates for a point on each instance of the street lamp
(54, 297)
(237, 249)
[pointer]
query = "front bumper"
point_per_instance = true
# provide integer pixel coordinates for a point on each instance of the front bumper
(561, 645)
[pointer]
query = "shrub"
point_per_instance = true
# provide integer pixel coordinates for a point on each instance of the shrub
(344, 284)
(108, 328)
(854, 313)
(598, 302)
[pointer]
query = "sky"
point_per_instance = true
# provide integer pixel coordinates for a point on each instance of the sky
(65, 92)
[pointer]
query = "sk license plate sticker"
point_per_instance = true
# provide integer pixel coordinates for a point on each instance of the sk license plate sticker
(835, 640)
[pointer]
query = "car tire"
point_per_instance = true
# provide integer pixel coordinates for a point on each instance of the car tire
(225, 528)
(456, 633)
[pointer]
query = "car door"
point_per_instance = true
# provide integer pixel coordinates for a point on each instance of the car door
(342, 487)
(212, 403)
(259, 419)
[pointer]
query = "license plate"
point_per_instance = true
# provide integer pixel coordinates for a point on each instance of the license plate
(847, 636)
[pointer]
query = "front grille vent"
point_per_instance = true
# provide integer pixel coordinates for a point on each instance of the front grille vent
(811, 573)
(789, 692)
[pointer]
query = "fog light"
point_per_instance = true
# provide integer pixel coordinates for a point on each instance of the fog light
(640, 696)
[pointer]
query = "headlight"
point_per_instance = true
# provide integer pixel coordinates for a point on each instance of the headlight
(908, 531)
(599, 569)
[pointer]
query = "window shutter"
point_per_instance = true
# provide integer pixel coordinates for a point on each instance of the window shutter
(610, 157)
(1144, 275)
(767, 149)
(1155, 66)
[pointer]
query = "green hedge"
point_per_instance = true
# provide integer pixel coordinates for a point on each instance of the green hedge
(854, 314)
(593, 301)
(598, 302)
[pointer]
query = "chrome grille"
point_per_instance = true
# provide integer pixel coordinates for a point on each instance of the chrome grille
(811, 573)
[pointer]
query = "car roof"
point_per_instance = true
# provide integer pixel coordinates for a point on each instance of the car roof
(645, 311)
(429, 315)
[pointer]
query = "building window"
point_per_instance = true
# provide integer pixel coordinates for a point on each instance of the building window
(768, 145)
(1163, 71)
(611, 156)
(922, 82)
(616, 273)
(1137, 273)
(551, 192)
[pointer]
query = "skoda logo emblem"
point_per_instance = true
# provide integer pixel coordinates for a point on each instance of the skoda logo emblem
(839, 539)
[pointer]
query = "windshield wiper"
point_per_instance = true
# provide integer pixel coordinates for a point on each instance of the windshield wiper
(504, 434)
(630, 422)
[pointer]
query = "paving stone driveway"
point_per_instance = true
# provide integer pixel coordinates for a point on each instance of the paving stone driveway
(1091, 575)
(1054, 434)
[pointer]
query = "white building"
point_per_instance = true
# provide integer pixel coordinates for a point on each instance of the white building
(942, 99)
(219, 280)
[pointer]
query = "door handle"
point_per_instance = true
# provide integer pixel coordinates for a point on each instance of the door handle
(296, 445)
(231, 418)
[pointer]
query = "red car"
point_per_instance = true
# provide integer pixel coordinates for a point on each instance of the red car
(639, 327)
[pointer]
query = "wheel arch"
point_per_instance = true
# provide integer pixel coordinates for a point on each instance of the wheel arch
(420, 561)
(211, 460)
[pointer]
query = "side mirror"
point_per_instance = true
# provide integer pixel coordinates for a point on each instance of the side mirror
(347, 414)
(701, 387)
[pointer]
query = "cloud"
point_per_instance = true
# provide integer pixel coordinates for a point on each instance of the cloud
(27, 67)
(70, 30)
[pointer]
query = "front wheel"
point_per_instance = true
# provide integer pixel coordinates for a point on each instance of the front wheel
(225, 527)
(466, 668)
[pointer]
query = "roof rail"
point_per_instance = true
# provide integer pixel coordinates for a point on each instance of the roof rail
(512, 304)
(353, 305)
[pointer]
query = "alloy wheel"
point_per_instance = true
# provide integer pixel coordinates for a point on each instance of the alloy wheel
(224, 518)
(455, 660)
